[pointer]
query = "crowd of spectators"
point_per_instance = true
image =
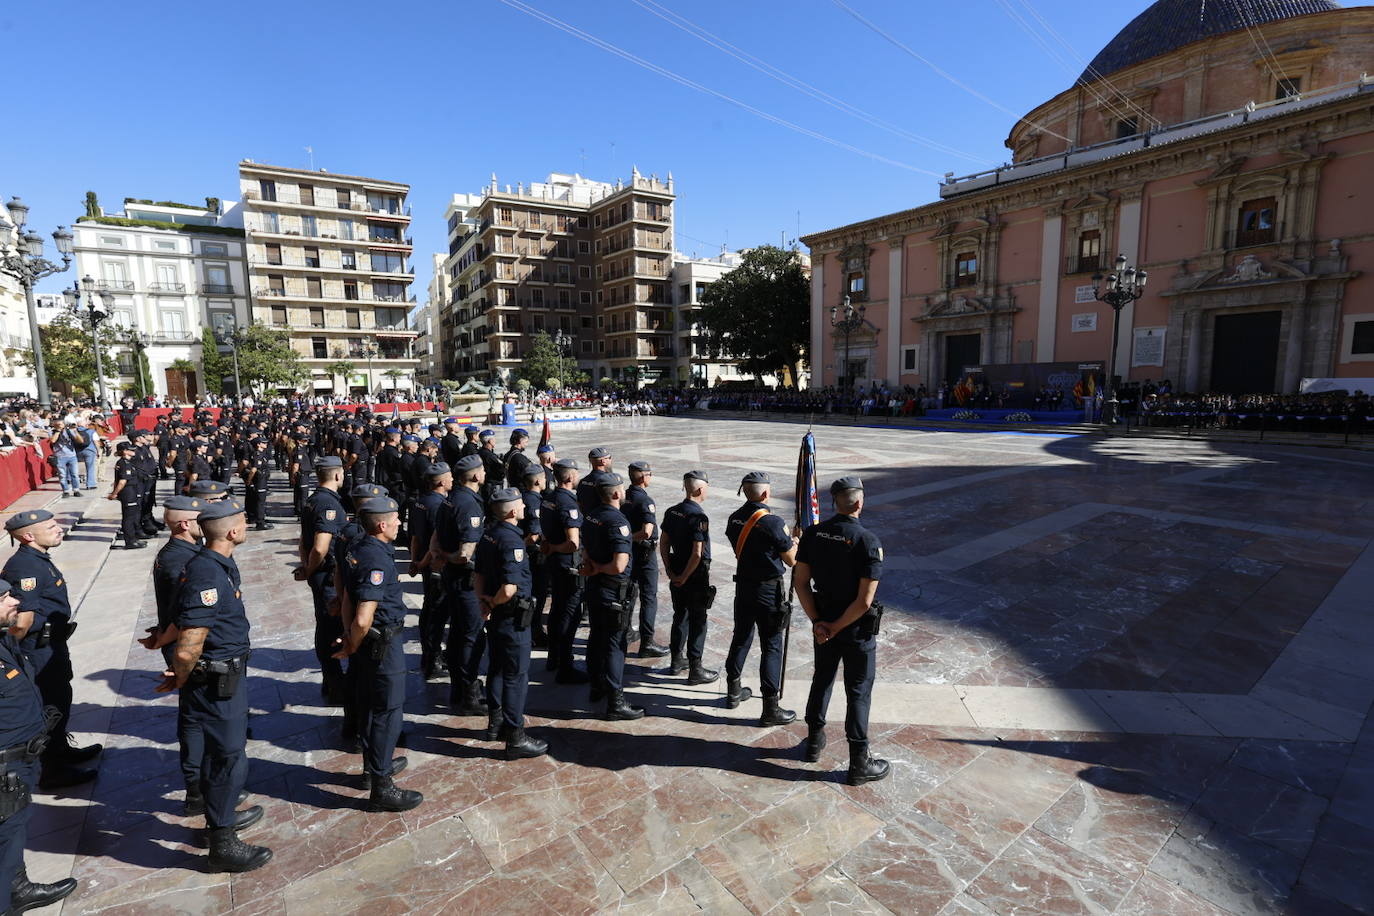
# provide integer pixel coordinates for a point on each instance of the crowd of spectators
(1326, 412)
(78, 436)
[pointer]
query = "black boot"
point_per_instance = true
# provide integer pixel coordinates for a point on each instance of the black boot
(25, 895)
(247, 817)
(700, 674)
(539, 638)
(66, 750)
(466, 698)
(520, 745)
(815, 743)
(772, 715)
(495, 719)
(618, 710)
(736, 693)
(195, 802)
(650, 649)
(678, 665)
(863, 768)
(58, 775)
(387, 797)
(229, 853)
(397, 765)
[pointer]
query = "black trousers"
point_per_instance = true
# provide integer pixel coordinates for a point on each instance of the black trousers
(223, 725)
(52, 666)
(607, 643)
(758, 606)
(564, 612)
(328, 628)
(256, 496)
(130, 514)
(645, 574)
(689, 619)
(508, 670)
(539, 574)
(14, 830)
(467, 640)
(859, 657)
(148, 507)
(379, 696)
(432, 617)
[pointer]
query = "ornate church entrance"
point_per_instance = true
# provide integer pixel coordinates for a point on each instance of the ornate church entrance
(1245, 352)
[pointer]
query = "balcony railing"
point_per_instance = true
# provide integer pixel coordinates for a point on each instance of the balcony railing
(167, 287)
(172, 336)
(1249, 238)
(115, 284)
(1082, 264)
(218, 289)
(407, 241)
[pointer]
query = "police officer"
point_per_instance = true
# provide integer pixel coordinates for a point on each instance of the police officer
(685, 549)
(515, 459)
(473, 442)
(438, 481)
(146, 462)
(22, 735)
(839, 563)
(491, 463)
(560, 520)
(451, 445)
(762, 549)
(504, 587)
(547, 456)
(128, 490)
(606, 564)
(588, 497)
(43, 629)
(531, 494)
(456, 533)
(257, 471)
(209, 490)
(299, 467)
(324, 519)
(389, 472)
(209, 668)
(197, 465)
(639, 508)
(374, 647)
(177, 455)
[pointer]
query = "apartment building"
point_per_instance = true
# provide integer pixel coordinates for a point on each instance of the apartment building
(171, 270)
(588, 258)
(329, 261)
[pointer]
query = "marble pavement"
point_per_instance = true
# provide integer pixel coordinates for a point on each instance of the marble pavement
(1116, 676)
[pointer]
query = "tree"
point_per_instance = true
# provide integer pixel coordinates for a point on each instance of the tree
(340, 367)
(541, 361)
(759, 312)
(266, 359)
(395, 375)
(92, 204)
(68, 354)
(214, 365)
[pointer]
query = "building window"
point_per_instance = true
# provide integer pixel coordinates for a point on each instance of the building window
(319, 348)
(855, 285)
(908, 359)
(165, 246)
(583, 248)
(1256, 226)
(173, 323)
(353, 318)
(965, 268)
(537, 298)
(701, 288)
(312, 256)
(584, 272)
(279, 315)
(1127, 127)
(307, 195)
(309, 225)
(268, 189)
(504, 215)
(209, 248)
(317, 317)
(1288, 88)
(564, 299)
(1090, 250)
(1362, 338)
(584, 297)
(386, 262)
(350, 289)
(112, 241)
(276, 285)
(346, 230)
(348, 260)
(273, 253)
(601, 346)
(344, 197)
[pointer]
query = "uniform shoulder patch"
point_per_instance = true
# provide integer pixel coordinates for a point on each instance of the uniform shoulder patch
(330, 514)
(572, 513)
(880, 553)
(651, 507)
(519, 554)
(28, 584)
(209, 596)
(375, 577)
(624, 530)
(476, 521)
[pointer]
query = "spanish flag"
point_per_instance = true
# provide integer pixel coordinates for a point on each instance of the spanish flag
(964, 390)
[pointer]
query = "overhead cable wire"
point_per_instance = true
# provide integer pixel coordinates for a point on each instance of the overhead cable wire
(692, 84)
(702, 34)
(943, 73)
(1275, 68)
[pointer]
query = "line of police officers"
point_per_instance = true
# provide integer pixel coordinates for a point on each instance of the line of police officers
(489, 555)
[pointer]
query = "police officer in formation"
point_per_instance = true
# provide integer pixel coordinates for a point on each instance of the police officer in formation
(561, 524)
(324, 519)
(257, 473)
(457, 531)
(763, 548)
(146, 462)
(515, 459)
(531, 488)
(686, 552)
(438, 481)
(610, 598)
(128, 490)
(642, 514)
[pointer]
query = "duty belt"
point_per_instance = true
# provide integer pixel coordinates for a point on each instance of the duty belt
(29, 750)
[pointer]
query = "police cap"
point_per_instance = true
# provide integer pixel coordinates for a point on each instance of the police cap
(564, 464)
(505, 495)
(519, 433)
(640, 466)
(598, 452)
(208, 488)
(544, 449)
(468, 463)
(437, 469)
(222, 509)
(365, 491)
(487, 434)
(25, 519)
(325, 462)
(124, 446)
(378, 505)
(610, 481)
(852, 482)
(696, 475)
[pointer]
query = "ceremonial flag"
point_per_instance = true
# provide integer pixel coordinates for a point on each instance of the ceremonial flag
(964, 390)
(395, 410)
(808, 503)
(547, 435)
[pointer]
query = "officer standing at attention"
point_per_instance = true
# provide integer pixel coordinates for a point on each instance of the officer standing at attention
(762, 549)
(610, 593)
(547, 456)
(438, 481)
(588, 497)
(685, 549)
(324, 519)
(451, 446)
(560, 520)
(208, 671)
(197, 465)
(22, 736)
(839, 563)
(128, 489)
(43, 628)
(503, 585)
(376, 652)
(146, 462)
(473, 445)
(456, 533)
(257, 471)
(639, 508)
(531, 493)
(491, 464)
(515, 459)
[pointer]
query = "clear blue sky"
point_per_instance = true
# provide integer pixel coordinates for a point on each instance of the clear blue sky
(161, 100)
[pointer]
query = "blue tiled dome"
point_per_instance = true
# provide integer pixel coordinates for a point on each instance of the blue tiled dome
(1170, 24)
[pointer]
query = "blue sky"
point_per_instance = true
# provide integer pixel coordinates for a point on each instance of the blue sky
(161, 100)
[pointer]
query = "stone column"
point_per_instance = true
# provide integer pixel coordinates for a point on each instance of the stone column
(894, 312)
(819, 320)
(1192, 363)
(1292, 358)
(1048, 318)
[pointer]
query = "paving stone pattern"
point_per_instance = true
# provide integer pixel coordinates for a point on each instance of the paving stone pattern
(1116, 676)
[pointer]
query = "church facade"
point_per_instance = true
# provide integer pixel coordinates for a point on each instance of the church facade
(1226, 148)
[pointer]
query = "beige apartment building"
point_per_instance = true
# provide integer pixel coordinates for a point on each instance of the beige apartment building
(329, 261)
(590, 259)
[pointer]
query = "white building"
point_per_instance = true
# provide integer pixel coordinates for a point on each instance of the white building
(15, 338)
(173, 269)
(691, 278)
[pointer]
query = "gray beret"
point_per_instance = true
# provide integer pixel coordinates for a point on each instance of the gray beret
(505, 495)
(367, 491)
(184, 504)
(378, 505)
(566, 464)
(696, 475)
(224, 508)
(640, 466)
(610, 480)
(468, 463)
(208, 488)
(755, 477)
(598, 452)
(437, 469)
(328, 461)
(852, 482)
(25, 519)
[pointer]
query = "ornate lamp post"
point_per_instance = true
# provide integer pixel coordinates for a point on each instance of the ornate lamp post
(847, 321)
(95, 315)
(139, 341)
(21, 256)
(232, 339)
(560, 342)
(1124, 285)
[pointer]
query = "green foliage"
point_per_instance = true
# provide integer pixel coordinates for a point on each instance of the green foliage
(523, 384)
(68, 354)
(92, 204)
(171, 227)
(214, 365)
(341, 367)
(541, 361)
(266, 359)
(142, 369)
(169, 203)
(182, 365)
(212, 203)
(759, 312)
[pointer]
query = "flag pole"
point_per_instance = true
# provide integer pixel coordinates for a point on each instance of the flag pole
(792, 580)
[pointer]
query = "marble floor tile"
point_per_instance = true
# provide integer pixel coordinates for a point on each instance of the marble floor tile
(1116, 821)
(830, 892)
(914, 864)
(1153, 896)
(1040, 875)
(1337, 865)
(559, 879)
(687, 887)
(1263, 809)
(1230, 871)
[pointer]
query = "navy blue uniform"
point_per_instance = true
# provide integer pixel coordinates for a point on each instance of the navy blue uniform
(378, 669)
(130, 500)
(423, 518)
(840, 552)
(41, 590)
(256, 475)
(515, 463)
(503, 559)
(21, 720)
(531, 526)
(146, 463)
(607, 533)
(759, 601)
(588, 492)
(324, 514)
(462, 524)
(210, 597)
(168, 568)
(684, 525)
(558, 512)
(639, 508)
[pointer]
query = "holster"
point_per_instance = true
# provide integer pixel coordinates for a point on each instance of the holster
(43, 638)
(870, 624)
(519, 609)
(460, 577)
(14, 795)
(627, 596)
(223, 676)
(378, 639)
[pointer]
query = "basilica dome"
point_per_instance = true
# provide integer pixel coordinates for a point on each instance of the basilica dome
(1170, 24)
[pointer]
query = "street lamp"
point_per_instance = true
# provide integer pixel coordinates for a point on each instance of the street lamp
(21, 256)
(231, 339)
(95, 315)
(847, 321)
(1124, 285)
(139, 340)
(560, 341)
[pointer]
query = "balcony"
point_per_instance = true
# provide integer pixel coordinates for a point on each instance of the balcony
(406, 242)
(172, 336)
(217, 289)
(953, 281)
(115, 284)
(167, 287)
(1083, 264)
(1251, 238)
